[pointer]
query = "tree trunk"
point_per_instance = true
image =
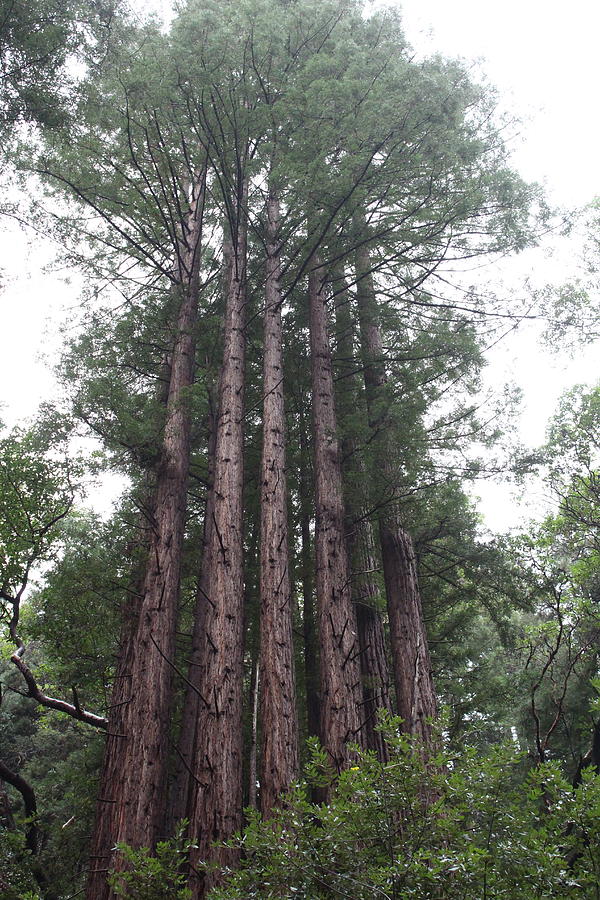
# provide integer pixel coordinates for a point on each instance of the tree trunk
(216, 811)
(415, 692)
(251, 725)
(103, 840)
(253, 751)
(132, 803)
(279, 757)
(366, 593)
(183, 793)
(338, 643)
(311, 655)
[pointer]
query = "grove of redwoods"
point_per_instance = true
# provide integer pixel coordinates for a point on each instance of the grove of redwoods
(293, 622)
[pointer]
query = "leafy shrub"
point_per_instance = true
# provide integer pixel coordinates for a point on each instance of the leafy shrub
(471, 828)
(154, 876)
(16, 878)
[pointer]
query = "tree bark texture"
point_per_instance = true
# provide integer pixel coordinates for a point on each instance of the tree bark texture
(311, 650)
(132, 804)
(360, 537)
(366, 595)
(101, 855)
(253, 750)
(415, 692)
(217, 771)
(183, 793)
(338, 642)
(279, 757)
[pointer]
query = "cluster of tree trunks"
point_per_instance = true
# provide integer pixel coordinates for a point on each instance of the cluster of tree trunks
(415, 693)
(346, 654)
(242, 98)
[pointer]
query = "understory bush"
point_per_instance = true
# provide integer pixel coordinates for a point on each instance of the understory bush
(154, 876)
(453, 827)
(450, 827)
(16, 877)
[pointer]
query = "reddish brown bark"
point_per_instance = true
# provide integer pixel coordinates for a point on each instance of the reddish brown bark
(417, 702)
(217, 772)
(131, 806)
(253, 750)
(364, 562)
(311, 655)
(338, 643)
(101, 857)
(415, 692)
(183, 792)
(279, 757)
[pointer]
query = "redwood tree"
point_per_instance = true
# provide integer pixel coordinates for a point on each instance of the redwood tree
(279, 759)
(137, 753)
(217, 769)
(415, 692)
(360, 535)
(339, 666)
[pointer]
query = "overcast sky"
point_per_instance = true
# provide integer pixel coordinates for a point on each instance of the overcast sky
(543, 57)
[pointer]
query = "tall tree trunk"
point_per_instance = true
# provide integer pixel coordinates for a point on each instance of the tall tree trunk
(415, 692)
(103, 841)
(251, 725)
(338, 643)
(183, 793)
(279, 757)
(311, 655)
(253, 750)
(364, 562)
(132, 803)
(216, 811)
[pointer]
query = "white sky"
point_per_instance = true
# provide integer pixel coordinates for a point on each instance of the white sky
(543, 57)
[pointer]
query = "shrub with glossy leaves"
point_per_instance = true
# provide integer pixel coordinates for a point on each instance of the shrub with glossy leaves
(153, 876)
(468, 827)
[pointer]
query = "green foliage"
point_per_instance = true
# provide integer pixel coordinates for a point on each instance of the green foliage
(59, 757)
(572, 309)
(464, 826)
(16, 879)
(37, 487)
(74, 617)
(154, 876)
(560, 574)
(37, 41)
(65, 757)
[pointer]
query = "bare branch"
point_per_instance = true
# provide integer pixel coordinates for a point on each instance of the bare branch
(33, 691)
